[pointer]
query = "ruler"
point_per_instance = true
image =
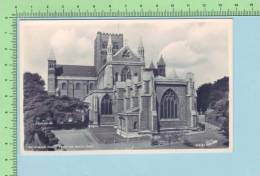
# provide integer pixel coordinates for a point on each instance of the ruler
(11, 11)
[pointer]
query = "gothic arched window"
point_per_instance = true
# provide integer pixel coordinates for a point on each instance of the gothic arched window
(115, 45)
(106, 105)
(63, 86)
(116, 77)
(168, 106)
(77, 86)
(104, 44)
(91, 86)
(135, 125)
(126, 74)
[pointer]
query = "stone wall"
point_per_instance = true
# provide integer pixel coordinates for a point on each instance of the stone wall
(145, 113)
(72, 90)
(107, 120)
(135, 70)
(128, 123)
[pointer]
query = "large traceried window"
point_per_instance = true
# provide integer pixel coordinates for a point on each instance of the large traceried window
(106, 105)
(126, 74)
(169, 105)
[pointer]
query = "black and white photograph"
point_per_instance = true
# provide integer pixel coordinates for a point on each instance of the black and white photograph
(125, 85)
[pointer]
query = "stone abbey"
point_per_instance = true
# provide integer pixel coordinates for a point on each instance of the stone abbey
(123, 93)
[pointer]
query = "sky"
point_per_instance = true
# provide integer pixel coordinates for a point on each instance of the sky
(202, 46)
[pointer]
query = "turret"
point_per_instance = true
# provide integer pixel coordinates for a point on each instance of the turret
(109, 50)
(100, 47)
(161, 67)
(108, 77)
(152, 67)
(51, 73)
(192, 99)
(141, 49)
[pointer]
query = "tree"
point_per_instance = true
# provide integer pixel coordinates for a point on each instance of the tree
(39, 106)
(33, 93)
(222, 84)
(33, 85)
(209, 94)
(203, 97)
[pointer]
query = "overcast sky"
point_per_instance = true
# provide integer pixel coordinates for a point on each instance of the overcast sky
(200, 46)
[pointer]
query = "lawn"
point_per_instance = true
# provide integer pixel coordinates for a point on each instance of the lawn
(107, 138)
(108, 135)
(74, 139)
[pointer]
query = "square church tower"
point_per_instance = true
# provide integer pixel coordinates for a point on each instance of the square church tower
(100, 48)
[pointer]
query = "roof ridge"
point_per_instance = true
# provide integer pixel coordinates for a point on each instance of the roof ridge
(161, 61)
(75, 65)
(76, 70)
(123, 48)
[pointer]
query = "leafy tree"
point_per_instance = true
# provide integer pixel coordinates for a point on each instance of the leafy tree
(33, 85)
(203, 97)
(38, 105)
(33, 92)
(221, 84)
(209, 94)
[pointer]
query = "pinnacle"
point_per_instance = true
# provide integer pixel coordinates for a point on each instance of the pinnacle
(52, 55)
(152, 65)
(161, 61)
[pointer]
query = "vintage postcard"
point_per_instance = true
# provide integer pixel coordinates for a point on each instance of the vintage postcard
(125, 85)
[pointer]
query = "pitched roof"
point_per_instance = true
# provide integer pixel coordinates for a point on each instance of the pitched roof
(76, 70)
(161, 61)
(125, 53)
(152, 65)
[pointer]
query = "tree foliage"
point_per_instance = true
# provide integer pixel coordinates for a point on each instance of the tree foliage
(39, 106)
(203, 96)
(33, 86)
(209, 94)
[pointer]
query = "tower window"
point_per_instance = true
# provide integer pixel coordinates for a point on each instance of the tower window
(104, 52)
(91, 85)
(63, 86)
(136, 91)
(51, 65)
(116, 77)
(86, 87)
(104, 44)
(135, 125)
(77, 86)
(115, 45)
(129, 91)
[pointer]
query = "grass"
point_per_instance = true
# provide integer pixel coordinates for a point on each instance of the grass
(108, 135)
